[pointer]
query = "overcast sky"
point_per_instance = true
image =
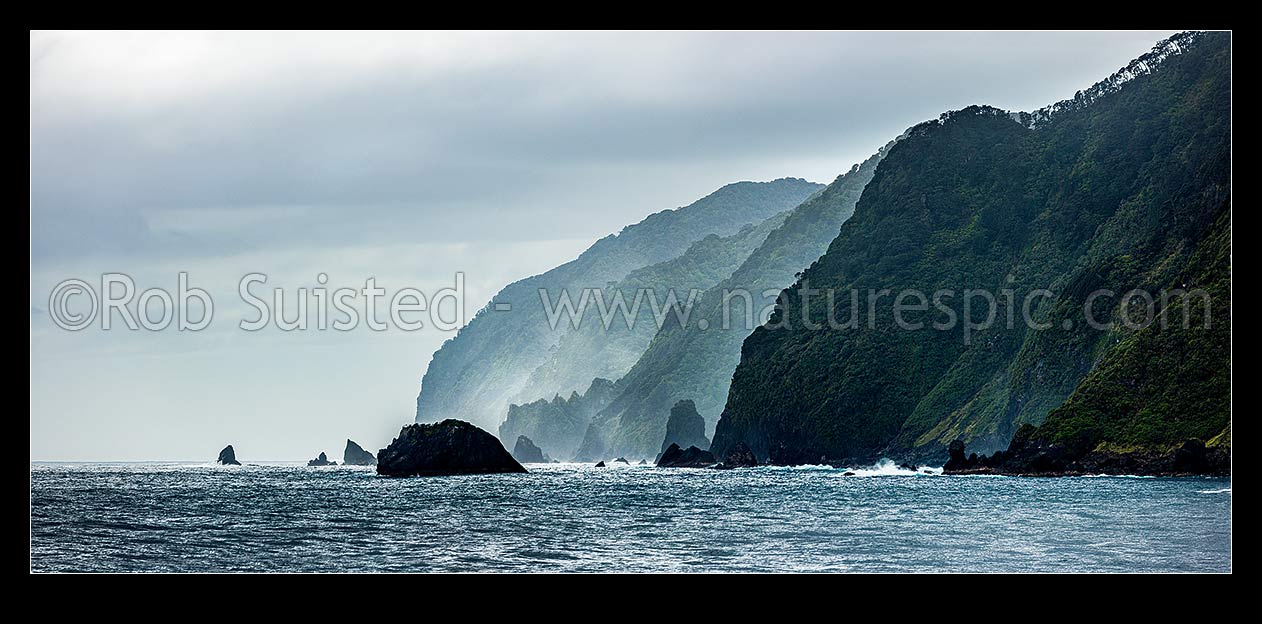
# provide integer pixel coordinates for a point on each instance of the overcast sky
(408, 157)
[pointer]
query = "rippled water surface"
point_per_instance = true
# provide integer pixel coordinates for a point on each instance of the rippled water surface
(187, 517)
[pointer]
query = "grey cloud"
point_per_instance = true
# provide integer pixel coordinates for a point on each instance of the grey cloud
(546, 131)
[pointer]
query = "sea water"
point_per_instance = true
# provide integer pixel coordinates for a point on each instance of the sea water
(572, 518)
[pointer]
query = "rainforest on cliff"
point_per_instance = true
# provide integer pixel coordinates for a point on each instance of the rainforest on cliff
(973, 279)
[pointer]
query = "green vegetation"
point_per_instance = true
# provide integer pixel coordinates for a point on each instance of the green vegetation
(1158, 387)
(689, 363)
(1128, 190)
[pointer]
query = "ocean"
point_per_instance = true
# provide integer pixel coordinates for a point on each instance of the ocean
(184, 517)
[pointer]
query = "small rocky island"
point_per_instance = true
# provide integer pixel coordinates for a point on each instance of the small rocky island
(526, 452)
(228, 457)
(450, 447)
(355, 455)
(321, 460)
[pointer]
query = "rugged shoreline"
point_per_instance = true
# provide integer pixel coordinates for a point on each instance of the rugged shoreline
(1029, 457)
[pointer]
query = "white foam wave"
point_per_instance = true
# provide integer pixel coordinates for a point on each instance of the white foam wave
(887, 468)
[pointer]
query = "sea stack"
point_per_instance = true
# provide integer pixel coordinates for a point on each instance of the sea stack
(355, 455)
(447, 448)
(228, 457)
(322, 460)
(685, 427)
(526, 452)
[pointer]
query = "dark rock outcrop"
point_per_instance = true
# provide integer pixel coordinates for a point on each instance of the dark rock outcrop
(739, 456)
(956, 461)
(355, 455)
(685, 427)
(445, 448)
(600, 464)
(1029, 456)
(321, 460)
(621, 460)
(526, 452)
(643, 462)
(228, 457)
(691, 457)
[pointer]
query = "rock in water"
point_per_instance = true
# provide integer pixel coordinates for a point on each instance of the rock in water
(355, 455)
(643, 462)
(692, 457)
(526, 452)
(955, 457)
(600, 464)
(228, 457)
(445, 448)
(322, 460)
(685, 427)
(621, 460)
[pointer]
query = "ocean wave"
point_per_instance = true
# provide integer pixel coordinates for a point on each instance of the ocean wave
(887, 468)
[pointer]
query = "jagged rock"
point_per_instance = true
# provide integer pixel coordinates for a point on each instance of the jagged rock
(847, 474)
(643, 462)
(685, 427)
(321, 460)
(228, 457)
(600, 464)
(739, 456)
(621, 460)
(956, 459)
(557, 427)
(907, 466)
(355, 455)
(445, 448)
(1027, 456)
(692, 457)
(526, 452)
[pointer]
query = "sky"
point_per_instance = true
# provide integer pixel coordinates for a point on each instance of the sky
(320, 160)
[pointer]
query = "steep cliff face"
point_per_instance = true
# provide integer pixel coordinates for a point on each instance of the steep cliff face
(557, 426)
(1154, 399)
(606, 343)
(474, 375)
(1113, 191)
(694, 360)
